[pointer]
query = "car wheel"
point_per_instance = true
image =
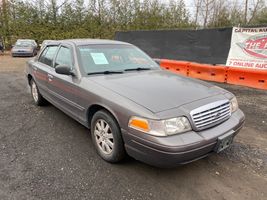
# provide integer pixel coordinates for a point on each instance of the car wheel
(106, 136)
(37, 97)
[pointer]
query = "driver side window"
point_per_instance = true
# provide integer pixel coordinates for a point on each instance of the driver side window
(64, 57)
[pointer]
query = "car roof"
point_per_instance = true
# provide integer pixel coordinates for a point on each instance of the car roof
(26, 40)
(81, 42)
(46, 41)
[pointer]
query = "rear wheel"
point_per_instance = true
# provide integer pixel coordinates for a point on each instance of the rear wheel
(106, 136)
(37, 97)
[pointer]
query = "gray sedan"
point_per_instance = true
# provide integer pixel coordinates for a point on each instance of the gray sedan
(24, 47)
(131, 105)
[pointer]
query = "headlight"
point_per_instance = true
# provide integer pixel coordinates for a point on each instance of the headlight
(160, 127)
(233, 104)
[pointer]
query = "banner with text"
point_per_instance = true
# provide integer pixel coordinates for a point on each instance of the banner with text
(248, 48)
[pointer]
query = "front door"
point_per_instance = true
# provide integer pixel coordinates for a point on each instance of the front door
(63, 88)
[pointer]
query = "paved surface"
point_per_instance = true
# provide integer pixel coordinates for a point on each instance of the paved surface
(44, 154)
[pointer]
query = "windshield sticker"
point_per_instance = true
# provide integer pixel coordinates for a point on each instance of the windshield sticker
(99, 59)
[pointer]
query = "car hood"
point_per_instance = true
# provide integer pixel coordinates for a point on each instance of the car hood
(157, 90)
(22, 48)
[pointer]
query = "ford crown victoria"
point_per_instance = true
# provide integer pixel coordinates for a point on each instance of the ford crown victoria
(132, 106)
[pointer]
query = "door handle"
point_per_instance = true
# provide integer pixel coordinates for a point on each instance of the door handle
(50, 77)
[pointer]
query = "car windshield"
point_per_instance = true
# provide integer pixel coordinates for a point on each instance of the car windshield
(114, 58)
(24, 43)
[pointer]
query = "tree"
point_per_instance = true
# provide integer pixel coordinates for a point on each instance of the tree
(198, 7)
(206, 9)
(255, 8)
(5, 22)
(52, 19)
(261, 17)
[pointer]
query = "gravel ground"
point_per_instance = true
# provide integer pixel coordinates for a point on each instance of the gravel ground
(44, 154)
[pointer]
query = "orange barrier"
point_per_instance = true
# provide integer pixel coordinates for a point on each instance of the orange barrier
(248, 77)
(207, 72)
(180, 67)
(223, 74)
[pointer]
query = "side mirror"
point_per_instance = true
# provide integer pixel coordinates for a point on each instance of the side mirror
(157, 60)
(64, 69)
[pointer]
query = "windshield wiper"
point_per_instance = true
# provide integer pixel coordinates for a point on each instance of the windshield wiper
(106, 72)
(138, 69)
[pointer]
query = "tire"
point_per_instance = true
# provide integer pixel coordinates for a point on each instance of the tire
(109, 140)
(37, 97)
(34, 53)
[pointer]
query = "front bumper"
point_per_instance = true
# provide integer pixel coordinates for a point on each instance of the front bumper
(22, 54)
(179, 149)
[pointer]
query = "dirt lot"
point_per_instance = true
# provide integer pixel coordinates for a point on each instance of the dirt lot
(45, 154)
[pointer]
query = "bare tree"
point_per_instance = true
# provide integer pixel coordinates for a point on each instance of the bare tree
(236, 13)
(198, 4)
(53, 8)
(206, 10)
(255, 8)
(246, 11)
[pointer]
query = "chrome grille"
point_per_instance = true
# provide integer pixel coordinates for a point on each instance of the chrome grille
(211, 114)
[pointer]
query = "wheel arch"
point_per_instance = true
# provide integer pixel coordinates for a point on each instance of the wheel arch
(97, 107)
(29, 78)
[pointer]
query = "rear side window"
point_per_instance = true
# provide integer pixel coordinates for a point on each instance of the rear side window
(48, 55)
(64, 57)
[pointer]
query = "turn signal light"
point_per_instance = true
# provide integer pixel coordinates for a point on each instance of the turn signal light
(139, 124)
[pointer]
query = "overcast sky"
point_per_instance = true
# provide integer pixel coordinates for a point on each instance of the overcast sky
(190, 5)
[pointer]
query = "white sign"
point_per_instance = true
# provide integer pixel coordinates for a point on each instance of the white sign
(248, 48)
(99, 58)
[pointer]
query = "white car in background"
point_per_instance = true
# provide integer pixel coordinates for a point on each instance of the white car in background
(24, 47)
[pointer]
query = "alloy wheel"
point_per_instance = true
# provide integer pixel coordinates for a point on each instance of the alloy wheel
(104, 136)
(34, 92)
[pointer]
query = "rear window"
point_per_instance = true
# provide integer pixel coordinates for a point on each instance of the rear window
(24, 43)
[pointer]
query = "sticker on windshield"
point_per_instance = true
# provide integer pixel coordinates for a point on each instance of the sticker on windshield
(99, 58)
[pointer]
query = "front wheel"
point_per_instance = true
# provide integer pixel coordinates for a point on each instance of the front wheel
(37, 97)
(106, 136)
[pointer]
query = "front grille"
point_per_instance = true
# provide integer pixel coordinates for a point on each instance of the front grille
(211, 114)
(21, 54)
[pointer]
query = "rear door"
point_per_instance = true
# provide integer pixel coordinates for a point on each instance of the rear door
(64, 88)
(40, 68)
